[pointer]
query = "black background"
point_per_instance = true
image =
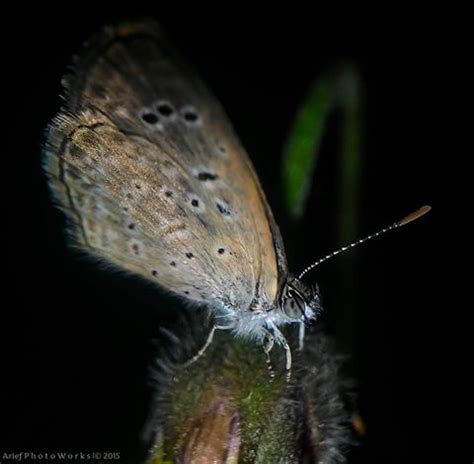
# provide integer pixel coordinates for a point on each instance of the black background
(77, 339)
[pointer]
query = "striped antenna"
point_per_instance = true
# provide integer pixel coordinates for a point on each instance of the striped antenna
(406, 220)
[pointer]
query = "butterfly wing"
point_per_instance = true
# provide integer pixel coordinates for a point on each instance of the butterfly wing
(153, 179)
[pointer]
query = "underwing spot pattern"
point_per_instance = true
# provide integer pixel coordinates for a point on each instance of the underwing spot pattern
(190, 116)
(138, 188)
(164, 112)
(223, 208)
(150, 118)
(165, 109)
(136, 247)
(220, 149)
(197, 204)
(206, 176)
(169, 194)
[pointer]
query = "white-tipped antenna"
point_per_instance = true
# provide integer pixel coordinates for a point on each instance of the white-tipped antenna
(407, 219)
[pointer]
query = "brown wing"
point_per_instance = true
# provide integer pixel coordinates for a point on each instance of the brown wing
(147, 167)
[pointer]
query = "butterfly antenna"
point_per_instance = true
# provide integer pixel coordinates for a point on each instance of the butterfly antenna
(406, 220)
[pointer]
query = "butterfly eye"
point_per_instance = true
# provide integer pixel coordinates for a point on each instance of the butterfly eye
(294, 305)
(291, 309)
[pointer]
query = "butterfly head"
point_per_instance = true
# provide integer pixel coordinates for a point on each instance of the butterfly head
(299, 301)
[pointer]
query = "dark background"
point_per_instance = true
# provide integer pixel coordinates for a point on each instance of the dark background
(77, 339)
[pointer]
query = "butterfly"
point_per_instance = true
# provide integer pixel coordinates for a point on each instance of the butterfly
(153, 180)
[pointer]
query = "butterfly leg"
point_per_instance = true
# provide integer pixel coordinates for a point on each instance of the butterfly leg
(301, 333)
(267, 347)
(206, 345)
(287, 348)
(280, 338)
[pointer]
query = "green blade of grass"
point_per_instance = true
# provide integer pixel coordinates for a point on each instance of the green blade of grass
(302, 147)
(338, 88)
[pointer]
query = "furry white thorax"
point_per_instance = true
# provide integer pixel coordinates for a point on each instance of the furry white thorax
(255, 325)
